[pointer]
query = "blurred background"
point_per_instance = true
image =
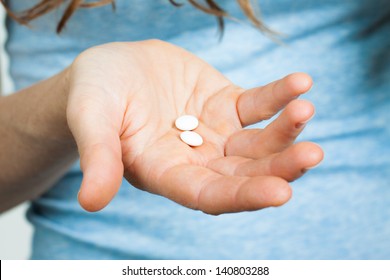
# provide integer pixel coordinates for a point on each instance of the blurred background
(15, 231)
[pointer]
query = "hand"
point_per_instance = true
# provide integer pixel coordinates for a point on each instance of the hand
(124, 99)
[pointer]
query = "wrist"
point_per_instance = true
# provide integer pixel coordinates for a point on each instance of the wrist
(56, 128)
(39, 113)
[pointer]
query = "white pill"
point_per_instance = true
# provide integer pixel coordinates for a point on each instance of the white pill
(187, 122)
(191, 138)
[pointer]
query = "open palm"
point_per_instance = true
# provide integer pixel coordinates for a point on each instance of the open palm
(124, 100)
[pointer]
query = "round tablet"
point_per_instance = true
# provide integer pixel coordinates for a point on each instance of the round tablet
(191, 138)
(187, 122)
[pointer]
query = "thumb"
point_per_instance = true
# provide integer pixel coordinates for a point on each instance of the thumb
(96, 130)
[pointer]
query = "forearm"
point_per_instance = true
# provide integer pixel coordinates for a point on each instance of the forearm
(36, 146)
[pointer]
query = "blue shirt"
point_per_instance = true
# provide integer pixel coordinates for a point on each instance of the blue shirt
(340, 210)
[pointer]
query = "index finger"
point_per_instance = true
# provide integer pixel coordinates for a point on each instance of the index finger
(201, 188)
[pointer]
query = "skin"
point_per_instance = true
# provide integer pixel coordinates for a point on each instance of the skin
(115, 107)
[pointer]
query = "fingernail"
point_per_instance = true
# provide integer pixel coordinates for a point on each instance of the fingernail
(302, 124)
(312, 167)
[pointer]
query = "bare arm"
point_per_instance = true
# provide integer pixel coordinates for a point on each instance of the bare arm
(36, 146)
